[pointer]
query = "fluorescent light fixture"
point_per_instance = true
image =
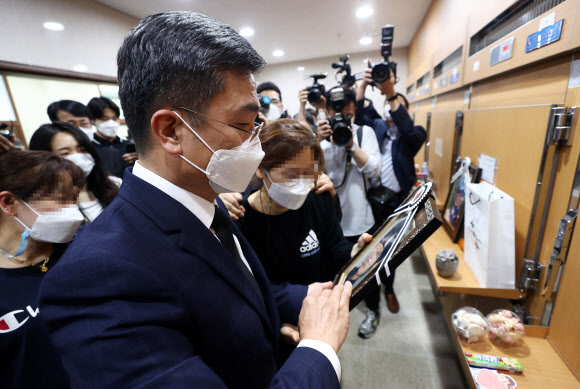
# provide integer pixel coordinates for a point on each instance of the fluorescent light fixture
(364, 12)
(278, 53)
(366, 40)
(80, 68)
(53, 26)
(247, 31)
(300, 68)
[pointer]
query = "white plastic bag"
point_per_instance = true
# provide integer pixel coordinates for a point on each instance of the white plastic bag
(490, 236)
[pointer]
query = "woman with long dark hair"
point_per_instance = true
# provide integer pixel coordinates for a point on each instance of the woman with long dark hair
(67, 141)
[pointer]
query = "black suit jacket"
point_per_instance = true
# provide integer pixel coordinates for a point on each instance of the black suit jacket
(147, 297)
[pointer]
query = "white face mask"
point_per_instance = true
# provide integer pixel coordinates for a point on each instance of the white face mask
(274, 113)
(109, 128)
(290, 195)
(83, 160)
(230, 170)
(89, 131)
(55, 227)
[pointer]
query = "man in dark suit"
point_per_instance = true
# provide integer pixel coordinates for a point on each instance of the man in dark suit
(162, 290)
(399, 140)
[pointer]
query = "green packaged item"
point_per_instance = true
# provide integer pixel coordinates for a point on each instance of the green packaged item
(499, 363)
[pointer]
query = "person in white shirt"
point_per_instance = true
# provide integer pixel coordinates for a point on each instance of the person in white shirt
(350, 167)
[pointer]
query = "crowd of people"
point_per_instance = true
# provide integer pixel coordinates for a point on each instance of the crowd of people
(122, 267)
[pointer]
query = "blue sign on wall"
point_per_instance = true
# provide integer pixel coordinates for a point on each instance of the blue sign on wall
(544, 37)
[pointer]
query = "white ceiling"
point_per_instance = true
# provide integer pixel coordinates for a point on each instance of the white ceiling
(303, 29)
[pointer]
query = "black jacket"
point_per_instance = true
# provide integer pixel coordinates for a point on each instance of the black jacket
(405, 147)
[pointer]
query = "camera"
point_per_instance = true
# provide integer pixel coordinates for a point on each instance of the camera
(340, 124)
(348, 80)
(5, 132)
(264, 107)
(316, 91)
(382, 71)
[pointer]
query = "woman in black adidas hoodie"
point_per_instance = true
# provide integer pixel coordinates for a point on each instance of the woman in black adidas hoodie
(294, 231)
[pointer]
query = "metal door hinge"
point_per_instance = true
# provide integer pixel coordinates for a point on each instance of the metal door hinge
(560, 127)
(529, 275)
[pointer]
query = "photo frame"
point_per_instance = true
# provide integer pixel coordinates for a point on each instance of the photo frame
(399, 236)
(454, 207)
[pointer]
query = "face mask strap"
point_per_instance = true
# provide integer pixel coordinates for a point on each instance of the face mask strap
(23, 241)
(195, 133)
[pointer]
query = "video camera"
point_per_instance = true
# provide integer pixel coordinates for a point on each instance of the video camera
(316, 91)
(381, 71)
(340, 124)
(348, 80)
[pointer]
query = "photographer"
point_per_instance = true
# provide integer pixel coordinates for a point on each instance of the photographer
(399, 141)
(348, 165)
(276, 108)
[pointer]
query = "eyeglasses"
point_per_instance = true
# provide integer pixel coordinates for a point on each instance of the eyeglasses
(252, 133)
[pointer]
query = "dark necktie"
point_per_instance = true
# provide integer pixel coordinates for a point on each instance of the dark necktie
(222, 230)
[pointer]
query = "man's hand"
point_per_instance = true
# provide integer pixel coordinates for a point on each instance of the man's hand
(262, 118)
(130, 158)
(324, 184)
(388, 87)
(324, 130)
(362, 86)
(321, 104)
(290, 333)
(318, 287)
(362, 241)
(303, 97)
(5, 145)
(325, 316)
(233, 202)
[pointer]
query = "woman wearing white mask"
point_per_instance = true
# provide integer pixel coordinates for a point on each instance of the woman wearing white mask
(39, 216)
(68, 142)
(294, 231)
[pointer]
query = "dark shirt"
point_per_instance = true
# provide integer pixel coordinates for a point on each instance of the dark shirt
(111, 154)
(301, 246)
(404, 148)
(28, 358)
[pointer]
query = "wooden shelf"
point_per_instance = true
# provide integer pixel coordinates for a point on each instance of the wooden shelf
(463, 280)
(543, 366)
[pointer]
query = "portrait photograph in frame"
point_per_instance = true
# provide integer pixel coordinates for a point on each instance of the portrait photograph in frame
(401, 234)
(454, 207)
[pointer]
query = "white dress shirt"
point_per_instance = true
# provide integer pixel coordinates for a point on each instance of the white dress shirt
(205, 211)
(357, 215)
(388, 177)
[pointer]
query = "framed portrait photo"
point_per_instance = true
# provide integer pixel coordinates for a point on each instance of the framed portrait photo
(401, 234)
(455, 203)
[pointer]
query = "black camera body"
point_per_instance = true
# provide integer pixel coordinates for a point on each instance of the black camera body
(382, 71)
(340, 124)
(341, 133)
(348, 80)
(316, 90)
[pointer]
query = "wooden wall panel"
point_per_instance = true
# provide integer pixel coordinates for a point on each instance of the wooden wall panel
(442, 133)
(515, 137)
(540, 84)
(575, 43)
(480, 16)
(565, 11)
(565, 318)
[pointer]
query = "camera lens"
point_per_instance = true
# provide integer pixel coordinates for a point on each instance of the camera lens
(381, 73)
(341, 134)
(314, 96)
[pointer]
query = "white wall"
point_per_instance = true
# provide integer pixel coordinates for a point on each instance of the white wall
(290, 80)
(32, 95)
(91, 37)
